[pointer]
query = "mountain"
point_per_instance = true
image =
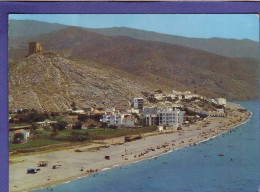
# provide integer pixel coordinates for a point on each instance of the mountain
(225, 47)
(24, 29)
(19, 29)
(47, 82)
(171, 65)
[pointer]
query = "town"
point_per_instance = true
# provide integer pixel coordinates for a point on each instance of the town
(161, 111)
(157, 111)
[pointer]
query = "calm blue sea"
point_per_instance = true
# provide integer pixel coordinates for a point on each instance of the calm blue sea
(193, 169)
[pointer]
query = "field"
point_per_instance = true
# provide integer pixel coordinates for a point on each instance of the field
(34, 143)
(44, 140)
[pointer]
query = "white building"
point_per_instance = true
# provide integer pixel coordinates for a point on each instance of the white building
(172, 118)
(137, 103)
(87, 109)
(220, 110)
(158, 96)
(133, 110)
(164, 116)
(118, 119)
(160, 128)
(221, 101)
(79, 111)
(129, 121)
(46, 122)
(151, 119)
(110, 109)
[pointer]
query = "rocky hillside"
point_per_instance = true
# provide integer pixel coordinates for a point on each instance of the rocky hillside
(48, 82)
(173, 66)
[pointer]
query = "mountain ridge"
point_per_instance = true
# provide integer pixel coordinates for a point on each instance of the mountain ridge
(174, 66)
(224, 47)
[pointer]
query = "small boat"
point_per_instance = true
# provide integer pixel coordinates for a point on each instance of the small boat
(78, 150)
(221, 155)
(32, 170)
(107, 157)
(165, 144)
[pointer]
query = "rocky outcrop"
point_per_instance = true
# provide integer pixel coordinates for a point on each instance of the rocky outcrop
(48, 82)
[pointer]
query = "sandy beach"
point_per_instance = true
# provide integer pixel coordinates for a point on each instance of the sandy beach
(91, 159)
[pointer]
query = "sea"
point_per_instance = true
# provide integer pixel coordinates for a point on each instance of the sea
(190, 169)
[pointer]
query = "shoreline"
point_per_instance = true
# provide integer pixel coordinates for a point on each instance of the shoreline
(203, 135)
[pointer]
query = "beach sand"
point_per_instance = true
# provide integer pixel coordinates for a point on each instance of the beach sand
(77, 164)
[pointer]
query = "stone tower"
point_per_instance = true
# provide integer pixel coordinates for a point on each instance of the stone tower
(35, 47)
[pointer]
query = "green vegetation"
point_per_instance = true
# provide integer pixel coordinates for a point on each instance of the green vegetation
(60, 125)
(82, 117)
(33, 144)
(56, 133)
(18, 137)
(110, 133)
(93, 134)
(18, 124)
(77, 125)
(41, 138)
(30, 116)
(77, 136)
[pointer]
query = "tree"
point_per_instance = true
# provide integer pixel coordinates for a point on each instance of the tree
(54, 132)
(60, 125)
(18, 137)
(11, 120)
(82, 117)
(112, 126)
(53, 114)
(34, 126)
(145, 94)
(91, 126)
(104, 125)
(77, 125)
(75, 136)
(96, 117)
(73, 105)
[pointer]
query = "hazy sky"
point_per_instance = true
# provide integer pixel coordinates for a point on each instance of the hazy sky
(238, 26)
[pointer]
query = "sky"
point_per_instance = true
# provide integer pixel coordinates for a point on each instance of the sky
(237, 26)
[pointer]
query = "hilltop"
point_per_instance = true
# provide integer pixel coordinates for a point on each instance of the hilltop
(47, 82)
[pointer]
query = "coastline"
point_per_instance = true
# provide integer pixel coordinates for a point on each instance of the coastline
(72, 161)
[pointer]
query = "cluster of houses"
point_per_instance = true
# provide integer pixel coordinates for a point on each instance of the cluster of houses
(219, 101)
(164, 116)
(23, 130)
(174, 95)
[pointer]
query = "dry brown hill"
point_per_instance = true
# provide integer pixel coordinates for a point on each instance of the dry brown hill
(173, 65)
(48, 82)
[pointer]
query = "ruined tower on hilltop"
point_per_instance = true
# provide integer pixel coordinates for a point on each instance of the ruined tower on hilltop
(35, 47)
